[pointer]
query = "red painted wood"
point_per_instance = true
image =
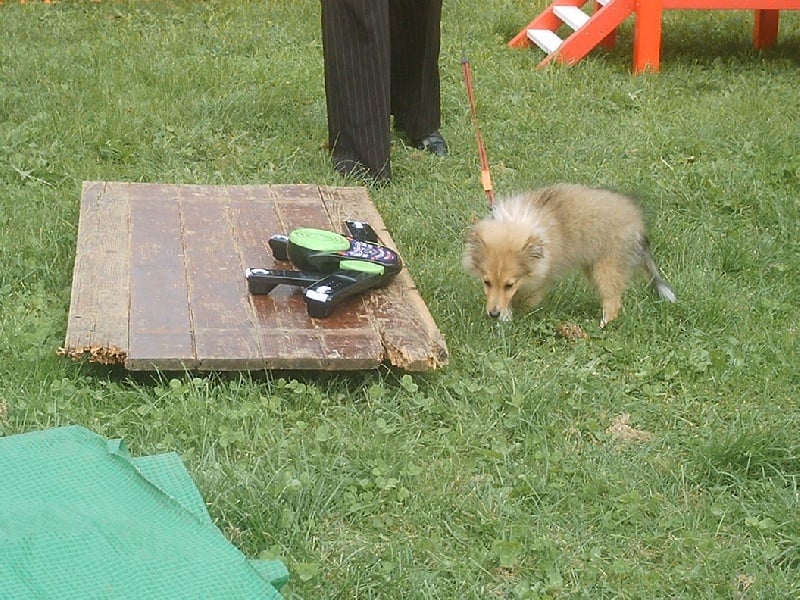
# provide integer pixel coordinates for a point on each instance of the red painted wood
(601, 28)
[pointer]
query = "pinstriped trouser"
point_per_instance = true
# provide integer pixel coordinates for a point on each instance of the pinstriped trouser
(381, 59)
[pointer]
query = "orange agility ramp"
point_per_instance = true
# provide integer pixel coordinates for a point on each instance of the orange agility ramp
(590, 23)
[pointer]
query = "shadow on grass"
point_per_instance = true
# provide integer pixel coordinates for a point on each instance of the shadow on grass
(693, 45)
(754, 452)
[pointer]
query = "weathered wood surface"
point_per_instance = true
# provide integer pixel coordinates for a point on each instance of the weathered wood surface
(98, 321)
(159, 284)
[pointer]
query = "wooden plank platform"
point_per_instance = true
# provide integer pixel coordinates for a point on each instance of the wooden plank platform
(159, 284)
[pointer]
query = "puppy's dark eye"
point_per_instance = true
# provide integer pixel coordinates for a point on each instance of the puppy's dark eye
(509, 285)
(487, 283)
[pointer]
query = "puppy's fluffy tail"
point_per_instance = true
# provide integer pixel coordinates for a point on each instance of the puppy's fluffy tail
(662, 288)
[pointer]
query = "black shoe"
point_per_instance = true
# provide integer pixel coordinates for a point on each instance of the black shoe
(434, 144)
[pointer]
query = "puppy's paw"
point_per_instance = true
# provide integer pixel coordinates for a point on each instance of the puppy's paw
(604, 322)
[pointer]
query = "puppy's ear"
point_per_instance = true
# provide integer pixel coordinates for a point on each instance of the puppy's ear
(473, 247)
(473, 240)
(533, 248)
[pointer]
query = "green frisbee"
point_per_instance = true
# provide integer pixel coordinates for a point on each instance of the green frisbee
(319, 240)
(362, 266)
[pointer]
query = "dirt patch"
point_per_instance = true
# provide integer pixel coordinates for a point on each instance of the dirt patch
(571, 332)
(623, 433)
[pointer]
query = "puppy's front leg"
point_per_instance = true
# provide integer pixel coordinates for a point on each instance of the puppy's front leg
(531, 297)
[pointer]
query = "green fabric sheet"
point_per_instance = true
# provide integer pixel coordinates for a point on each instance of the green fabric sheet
(81, 519)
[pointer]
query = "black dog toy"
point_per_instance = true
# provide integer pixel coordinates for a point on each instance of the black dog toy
(332, 267)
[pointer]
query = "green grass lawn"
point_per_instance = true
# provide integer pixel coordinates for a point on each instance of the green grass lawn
(500, 476)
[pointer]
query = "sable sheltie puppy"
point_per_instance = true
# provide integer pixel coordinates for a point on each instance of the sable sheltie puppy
(531, 239)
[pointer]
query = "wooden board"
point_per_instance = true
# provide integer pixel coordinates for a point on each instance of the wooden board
(159, 284)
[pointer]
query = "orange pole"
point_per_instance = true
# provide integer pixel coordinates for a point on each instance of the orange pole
(765, 31)
(647, 35)
(611, 39)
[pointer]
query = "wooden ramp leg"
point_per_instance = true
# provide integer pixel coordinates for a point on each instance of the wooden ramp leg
(765, 31)
(647, 35)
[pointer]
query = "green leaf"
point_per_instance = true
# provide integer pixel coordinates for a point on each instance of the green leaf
(507, 552)
(323, 433)
(307, 571)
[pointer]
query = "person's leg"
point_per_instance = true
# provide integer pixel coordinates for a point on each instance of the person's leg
(355, 42)
(415, 95)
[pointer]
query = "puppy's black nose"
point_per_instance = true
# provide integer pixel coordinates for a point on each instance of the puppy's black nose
(494, 313)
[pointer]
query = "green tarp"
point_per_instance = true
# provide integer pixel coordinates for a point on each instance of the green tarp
(80, 518)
